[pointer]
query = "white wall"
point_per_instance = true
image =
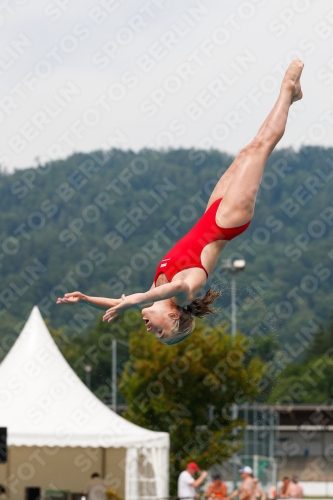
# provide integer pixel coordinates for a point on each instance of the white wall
(313, 488)
(317, 489)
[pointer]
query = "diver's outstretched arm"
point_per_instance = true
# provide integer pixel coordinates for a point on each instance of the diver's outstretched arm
(103, 303)
(176, 289)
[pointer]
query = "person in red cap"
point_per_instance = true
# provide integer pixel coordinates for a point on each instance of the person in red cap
(187, 483)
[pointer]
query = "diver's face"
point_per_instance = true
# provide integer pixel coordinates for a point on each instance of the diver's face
(160, 319)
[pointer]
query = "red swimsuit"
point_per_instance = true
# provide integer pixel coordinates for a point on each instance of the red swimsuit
(187, 252)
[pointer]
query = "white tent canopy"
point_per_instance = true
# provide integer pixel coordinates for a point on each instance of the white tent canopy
(44, 403)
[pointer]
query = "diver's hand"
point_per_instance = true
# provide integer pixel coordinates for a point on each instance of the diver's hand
(71, 298)
(113, 312)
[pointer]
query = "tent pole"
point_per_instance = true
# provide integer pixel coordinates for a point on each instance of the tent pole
(103, 462)
(8, 490)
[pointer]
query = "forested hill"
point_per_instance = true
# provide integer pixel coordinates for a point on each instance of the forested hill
(101, 222)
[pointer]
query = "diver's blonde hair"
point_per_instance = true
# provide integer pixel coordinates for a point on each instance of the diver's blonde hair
(200, 307)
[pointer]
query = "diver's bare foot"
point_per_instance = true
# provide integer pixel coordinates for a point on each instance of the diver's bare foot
(297, 97)
(292, 79)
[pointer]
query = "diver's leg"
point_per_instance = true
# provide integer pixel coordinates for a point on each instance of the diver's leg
(239, 188)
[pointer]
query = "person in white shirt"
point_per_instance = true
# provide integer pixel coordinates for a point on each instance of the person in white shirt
(187, 483)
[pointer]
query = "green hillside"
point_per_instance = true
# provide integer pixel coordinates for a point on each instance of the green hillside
(101, 222)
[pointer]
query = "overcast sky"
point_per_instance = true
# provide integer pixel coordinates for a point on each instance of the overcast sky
(79, 75)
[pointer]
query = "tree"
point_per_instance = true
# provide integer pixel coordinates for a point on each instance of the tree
(188, 390)
(44, 253)
(311, 379)
(322, 341)
(263, 347)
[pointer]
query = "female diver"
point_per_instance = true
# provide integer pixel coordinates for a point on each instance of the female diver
(172, 302)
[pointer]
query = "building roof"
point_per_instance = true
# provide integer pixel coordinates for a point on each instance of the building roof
(291, 417)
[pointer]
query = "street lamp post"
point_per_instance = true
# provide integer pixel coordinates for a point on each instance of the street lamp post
(233, 305)
(114, 371)
(234, 267)
(88, 369)
(114, 375)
